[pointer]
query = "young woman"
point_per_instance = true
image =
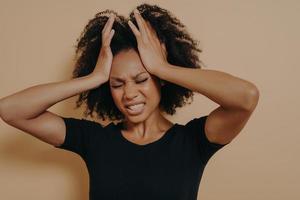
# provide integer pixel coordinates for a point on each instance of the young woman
(133, 70)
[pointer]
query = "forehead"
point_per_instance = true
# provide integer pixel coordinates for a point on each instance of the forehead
(126, 64)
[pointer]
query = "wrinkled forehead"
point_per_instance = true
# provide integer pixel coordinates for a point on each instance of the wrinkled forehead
(127, 64)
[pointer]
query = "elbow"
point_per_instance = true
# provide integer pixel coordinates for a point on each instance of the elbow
(3, 114)
(1, 109)
(252, 98)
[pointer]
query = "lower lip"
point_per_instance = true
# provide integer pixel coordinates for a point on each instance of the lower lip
(135, 112)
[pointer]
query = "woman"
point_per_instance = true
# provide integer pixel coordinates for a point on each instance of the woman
(132, 71)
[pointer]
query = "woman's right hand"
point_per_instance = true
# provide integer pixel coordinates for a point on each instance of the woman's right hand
(103, 65)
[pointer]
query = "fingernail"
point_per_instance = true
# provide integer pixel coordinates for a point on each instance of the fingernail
(136, 11)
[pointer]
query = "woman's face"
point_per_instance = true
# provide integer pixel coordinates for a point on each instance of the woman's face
(130, 83)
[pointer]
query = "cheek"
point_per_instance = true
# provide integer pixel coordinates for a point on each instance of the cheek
(154, 89)
(152, 94)
(151, 86)
(147, 88)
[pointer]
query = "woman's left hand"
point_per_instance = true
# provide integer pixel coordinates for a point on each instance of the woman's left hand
(153, 53)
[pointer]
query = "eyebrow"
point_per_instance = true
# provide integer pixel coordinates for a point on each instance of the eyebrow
(120, 79)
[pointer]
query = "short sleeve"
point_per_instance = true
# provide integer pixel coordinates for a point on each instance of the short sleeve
(196, 130)
(79, 135)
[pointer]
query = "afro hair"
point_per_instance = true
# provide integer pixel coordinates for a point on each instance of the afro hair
(181, 51)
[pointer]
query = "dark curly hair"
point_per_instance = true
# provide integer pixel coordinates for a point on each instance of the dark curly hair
(182, 51)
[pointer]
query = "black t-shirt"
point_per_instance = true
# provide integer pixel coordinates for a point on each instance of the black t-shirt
(169, 168)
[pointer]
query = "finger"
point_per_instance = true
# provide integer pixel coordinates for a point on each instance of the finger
(106, 23)
(151, 31)
(139, 21)
(107, 40)
(134, 29)
(111, 35)
(149, 27)
(148, 30)
(109, 23)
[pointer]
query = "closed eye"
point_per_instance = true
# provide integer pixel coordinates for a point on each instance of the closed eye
(117, 86)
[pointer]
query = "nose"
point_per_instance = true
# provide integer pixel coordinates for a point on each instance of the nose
(130, 91)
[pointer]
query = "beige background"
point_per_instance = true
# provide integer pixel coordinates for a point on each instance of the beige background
(256, 40)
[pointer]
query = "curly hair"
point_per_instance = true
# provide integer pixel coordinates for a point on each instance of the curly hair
(181, 51)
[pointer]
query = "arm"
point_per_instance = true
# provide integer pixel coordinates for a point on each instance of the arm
(33, 101)
(27, 109)
(237, 98)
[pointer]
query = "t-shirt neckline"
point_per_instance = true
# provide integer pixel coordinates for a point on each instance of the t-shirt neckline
(162, 139)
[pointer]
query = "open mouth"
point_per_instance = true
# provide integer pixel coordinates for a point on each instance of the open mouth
(135, 109)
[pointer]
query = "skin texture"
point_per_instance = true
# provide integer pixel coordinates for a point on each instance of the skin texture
(150, 124)
(182, 50)
(153, 53)
(237, 97)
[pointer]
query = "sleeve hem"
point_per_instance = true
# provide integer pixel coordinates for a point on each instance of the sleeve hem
(62, 145)
(205, 136)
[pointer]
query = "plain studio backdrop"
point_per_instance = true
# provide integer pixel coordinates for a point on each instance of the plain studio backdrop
(256, 40)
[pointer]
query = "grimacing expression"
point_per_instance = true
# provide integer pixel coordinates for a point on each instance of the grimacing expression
(130, 82)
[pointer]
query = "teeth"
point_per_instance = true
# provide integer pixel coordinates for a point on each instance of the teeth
(137, 106)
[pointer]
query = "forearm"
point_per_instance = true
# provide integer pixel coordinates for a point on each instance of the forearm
(224, 89)
(34, 100)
